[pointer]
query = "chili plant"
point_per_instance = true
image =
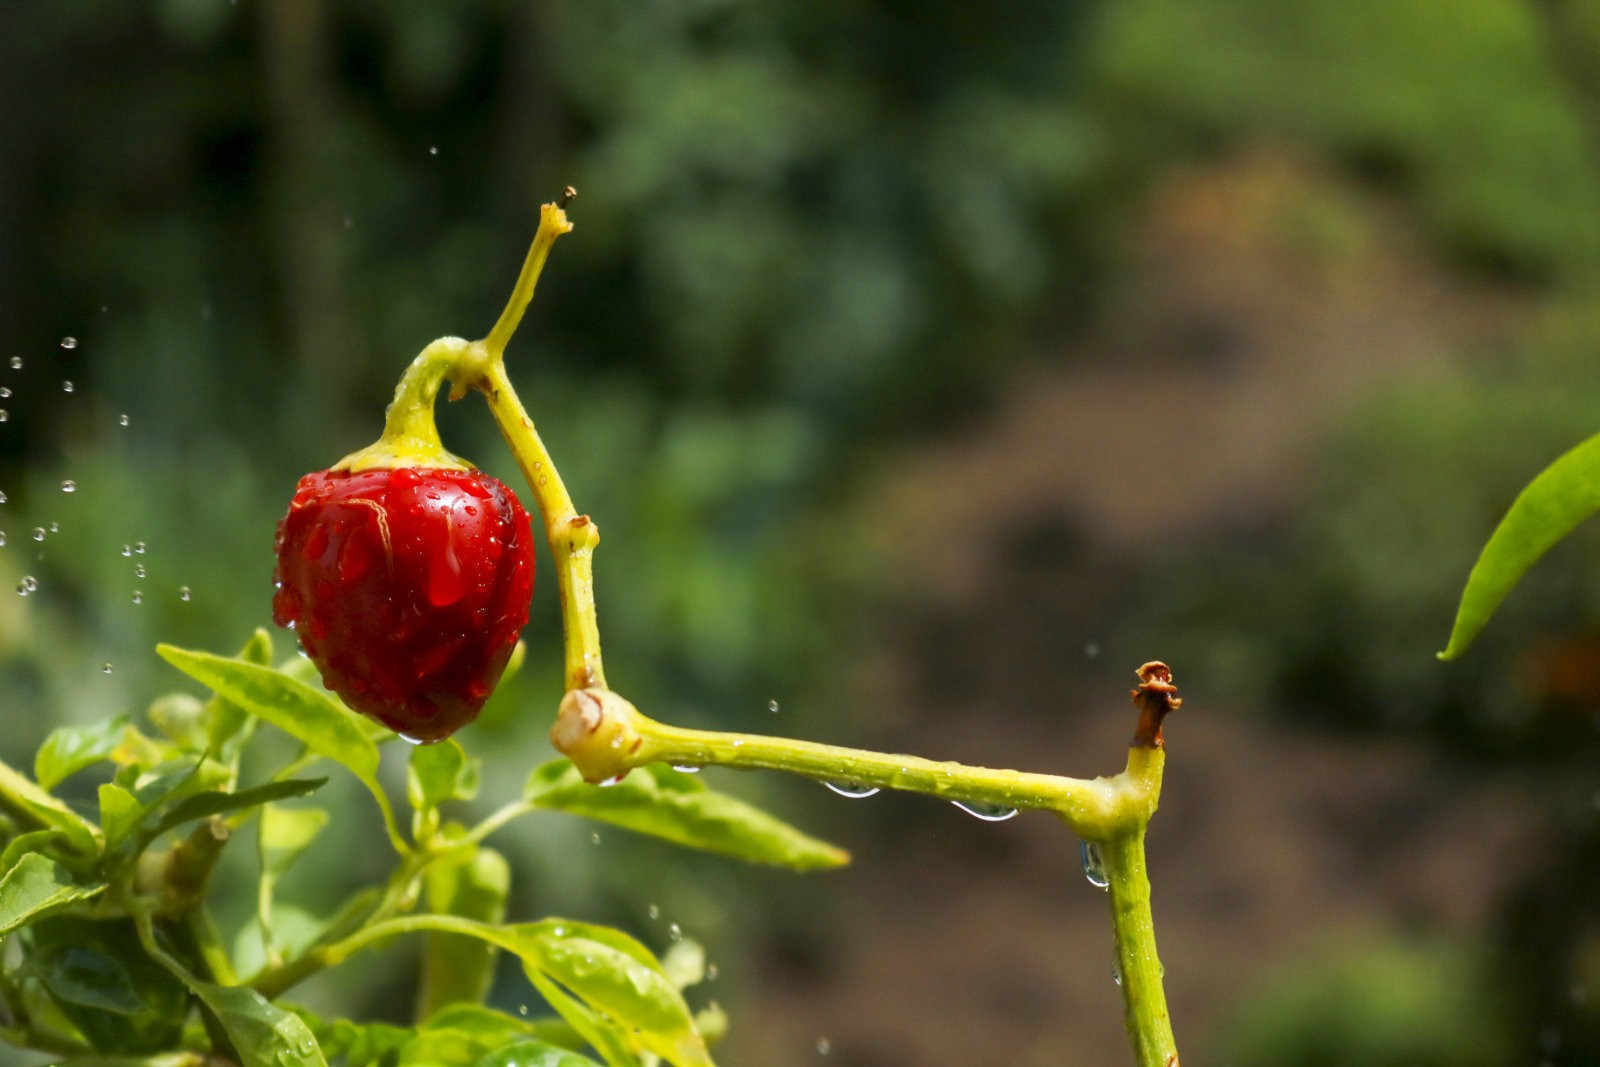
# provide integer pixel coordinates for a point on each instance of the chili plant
(111, 951)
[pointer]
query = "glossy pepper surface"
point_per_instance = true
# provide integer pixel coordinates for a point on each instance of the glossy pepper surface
(408, 587)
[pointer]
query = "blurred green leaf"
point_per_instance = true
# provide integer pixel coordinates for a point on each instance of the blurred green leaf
(182, 719)
(1553, 504)
(101, 978)
(120, 812)
(202, 805)
(226, 731)
(20, 795)
(37, 885)
(285, 833)
(441, 772)
(679, 807)
(473, 886)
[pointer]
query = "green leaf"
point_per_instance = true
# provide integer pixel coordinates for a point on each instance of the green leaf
(679, 807)
(441, 772)
(70, 749)
(36, 886)
(20, 795)
(1550, 507)
(182, 720)
(263, 1034)
(357, 1044)
(323, 725)
(474, 886)
(215, 802)
(226, 732)
(120, 812)
(52, 843)
(285, 833)
(531, 1053)
(101, 978)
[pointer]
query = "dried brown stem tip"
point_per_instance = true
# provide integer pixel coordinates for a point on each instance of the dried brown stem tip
(568, 195)
(1155, 698)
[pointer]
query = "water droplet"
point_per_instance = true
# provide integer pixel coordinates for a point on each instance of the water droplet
(772, 706)
(138, 570)
(615, 779)
(105, 668)
(433, 150)
(408, 739)
(824, 1046)
(28, 584)
(686, 768)
(5, 416)
(853, 790)
(16, 362)
(675, 933)
(655, 910)
(38, 533)
(122, 420)
(2, 497)
(594, 837)
(67, 386)
(1091, 649)
(2, 539)
(5, 391)
(986, 812)
(127, 550)
(69, 343)
(69, 486)
(55, 527)
(712, 970)
(139, 547)
(184, 593)
(522, 1009)
(138, 597)
(1094, 868)
(1116, 972)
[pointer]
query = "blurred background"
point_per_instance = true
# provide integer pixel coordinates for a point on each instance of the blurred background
(927, 367)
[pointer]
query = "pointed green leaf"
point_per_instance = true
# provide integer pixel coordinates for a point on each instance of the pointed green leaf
(679, 807)
(310, 715)
(120, 812)
(215, 802)
(36, 886)
(226, 722)
(1550, 507)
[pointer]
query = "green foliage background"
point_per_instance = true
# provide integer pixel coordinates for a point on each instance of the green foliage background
(811, 239)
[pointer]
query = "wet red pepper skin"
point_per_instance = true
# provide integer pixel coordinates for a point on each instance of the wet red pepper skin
(408, 588)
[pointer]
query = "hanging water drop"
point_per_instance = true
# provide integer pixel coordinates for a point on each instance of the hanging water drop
(1091, 650)
(2, 497)
(105, 668)
(686, 768)
(69, 343)
(67, 386)
(824, 1046)
(38, 533)
(772, 706)
(2, 539)
(853, 790)
(69, 486)
(122, 420)
(138, 597)
(5, 392)
(655, 910)
(55, 527)
(139, 547)
(1094, 868)
(433, 150)
(594, 837)
(408, 739)
(184, 593)
(127, 550)
(986, 812)
(1116, 972)
(138, 570)
(5, 416)
(16, 362)
(712, 970)
(522, 1009)
(674, 933)
(28, 584)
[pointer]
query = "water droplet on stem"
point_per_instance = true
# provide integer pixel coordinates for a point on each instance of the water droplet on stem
(1094, 868)
(986, 812)
(853, 790)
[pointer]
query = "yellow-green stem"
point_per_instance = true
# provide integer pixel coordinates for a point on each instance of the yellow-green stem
(1144, 1000)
